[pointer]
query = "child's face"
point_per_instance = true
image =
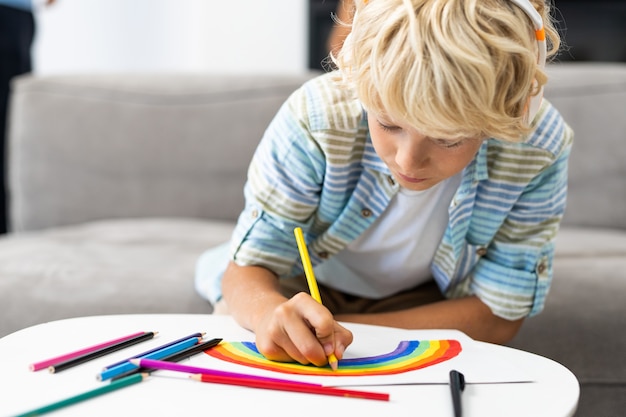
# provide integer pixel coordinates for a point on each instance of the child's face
(418, 162)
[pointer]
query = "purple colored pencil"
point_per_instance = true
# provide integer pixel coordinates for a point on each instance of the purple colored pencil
(67, 356)
(172, 366)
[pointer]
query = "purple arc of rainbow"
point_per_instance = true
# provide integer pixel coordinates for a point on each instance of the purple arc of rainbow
(409, 355)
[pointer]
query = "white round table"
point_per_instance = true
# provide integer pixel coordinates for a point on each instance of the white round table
(552, 392)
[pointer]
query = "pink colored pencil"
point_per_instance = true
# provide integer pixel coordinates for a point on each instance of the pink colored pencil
(171, 366)
(52, 361)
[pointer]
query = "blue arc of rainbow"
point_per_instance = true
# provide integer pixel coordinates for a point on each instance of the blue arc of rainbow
(409, 355)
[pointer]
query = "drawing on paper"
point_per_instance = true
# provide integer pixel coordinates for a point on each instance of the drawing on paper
(408, 356)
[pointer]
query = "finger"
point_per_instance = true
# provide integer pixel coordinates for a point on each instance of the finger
(307, 344)
(322, 326)
(304, 332)
(301, 329)
(275, 344)
(343, 339)
(285, 353)
(287, 334)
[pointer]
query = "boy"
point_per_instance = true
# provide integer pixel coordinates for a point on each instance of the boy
(427, 174)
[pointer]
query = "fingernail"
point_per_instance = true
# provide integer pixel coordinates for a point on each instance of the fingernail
(339, 349)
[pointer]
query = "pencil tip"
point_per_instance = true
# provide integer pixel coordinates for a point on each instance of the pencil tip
(134, 361)
(332, 361)
(196, 377)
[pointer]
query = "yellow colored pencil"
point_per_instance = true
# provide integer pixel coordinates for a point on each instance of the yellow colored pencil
(310, 279)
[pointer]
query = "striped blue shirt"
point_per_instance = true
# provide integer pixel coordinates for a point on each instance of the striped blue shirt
(316, 168)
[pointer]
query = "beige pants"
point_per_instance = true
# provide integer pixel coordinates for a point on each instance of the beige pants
(340, 303)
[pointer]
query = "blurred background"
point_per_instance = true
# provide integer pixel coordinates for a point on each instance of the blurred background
(593, 30)
(285, 36)
(170, 36)
(226, 37)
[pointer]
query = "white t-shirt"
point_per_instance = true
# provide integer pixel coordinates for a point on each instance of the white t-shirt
(395, 253)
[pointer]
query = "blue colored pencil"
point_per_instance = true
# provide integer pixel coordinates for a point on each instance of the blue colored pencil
(141, 355)
(159, 354)
(175, 357)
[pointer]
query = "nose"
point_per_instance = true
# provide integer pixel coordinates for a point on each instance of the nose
(412, 153)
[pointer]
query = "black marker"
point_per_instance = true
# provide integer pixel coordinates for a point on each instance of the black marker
(457, 385)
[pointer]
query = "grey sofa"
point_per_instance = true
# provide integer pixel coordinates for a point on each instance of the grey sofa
(119, 182)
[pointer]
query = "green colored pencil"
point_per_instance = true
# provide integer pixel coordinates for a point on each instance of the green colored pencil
(115, 385)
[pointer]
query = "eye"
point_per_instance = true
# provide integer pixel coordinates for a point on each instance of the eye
(448, 144)
(388, 127)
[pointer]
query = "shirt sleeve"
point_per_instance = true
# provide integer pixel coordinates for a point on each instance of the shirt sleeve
(282, 191)
(514, 274)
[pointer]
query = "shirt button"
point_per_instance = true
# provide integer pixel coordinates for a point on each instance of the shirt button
(254, 213)
(323, 255)
(366, 212)
(481, 251)
(541, 268)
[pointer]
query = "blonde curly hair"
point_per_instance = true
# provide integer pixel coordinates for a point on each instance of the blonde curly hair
(450, 68)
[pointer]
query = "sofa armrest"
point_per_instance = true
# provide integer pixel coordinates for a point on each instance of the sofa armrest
(592, 98)
(110, 146)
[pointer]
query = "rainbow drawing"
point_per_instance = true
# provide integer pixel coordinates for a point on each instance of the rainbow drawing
(409, 355)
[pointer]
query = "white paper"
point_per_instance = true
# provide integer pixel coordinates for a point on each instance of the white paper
(478, 364)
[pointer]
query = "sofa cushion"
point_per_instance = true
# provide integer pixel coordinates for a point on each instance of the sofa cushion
(94, 147)
(582, 325)
(590, 242)
(106, 267)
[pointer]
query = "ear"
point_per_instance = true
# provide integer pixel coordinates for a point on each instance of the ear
(532, 106)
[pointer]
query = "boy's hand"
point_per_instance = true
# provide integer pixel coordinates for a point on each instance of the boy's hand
(303, 330)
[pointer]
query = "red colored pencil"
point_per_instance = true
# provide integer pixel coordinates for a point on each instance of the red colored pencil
(294, 387)
(65, 357)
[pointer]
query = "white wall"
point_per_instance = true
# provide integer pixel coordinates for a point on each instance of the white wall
(232, 36)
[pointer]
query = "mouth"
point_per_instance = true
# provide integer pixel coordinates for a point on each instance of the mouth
(411, 179)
